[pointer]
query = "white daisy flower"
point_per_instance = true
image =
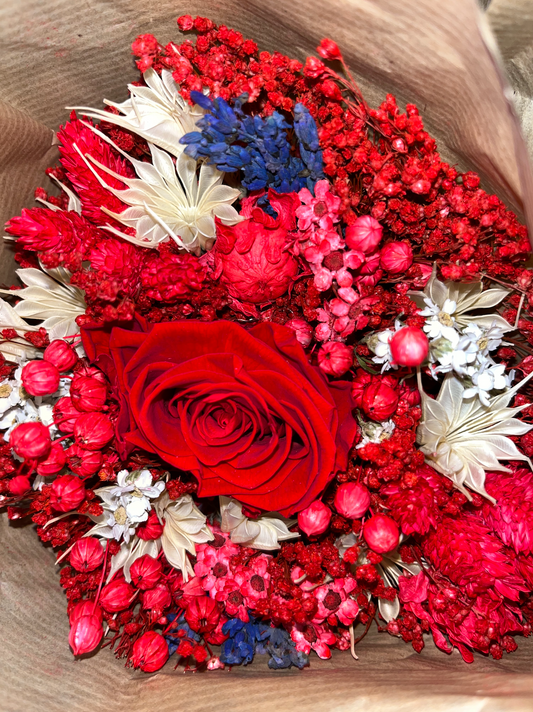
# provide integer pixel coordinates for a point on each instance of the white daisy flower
(490, 377)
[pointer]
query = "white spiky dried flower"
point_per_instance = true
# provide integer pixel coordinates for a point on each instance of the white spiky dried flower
(263, 533)
(463, 439)
(49, 298)
(169, 200)
(157, 112)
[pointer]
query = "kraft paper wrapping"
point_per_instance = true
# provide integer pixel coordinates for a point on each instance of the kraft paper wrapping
(440, 55)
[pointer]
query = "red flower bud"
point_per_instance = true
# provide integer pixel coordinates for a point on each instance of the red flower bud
(150, 652)
(202, 614)
(40, 378)
(85, 634)
(30, 440)
(396, 257)
(116, 596)
(379, 400)
(328, 49)
(86, 554)
(61, 355)
(67, 493)
(146, 571)
(151, 529)
(364, 234)
(352, 500)
(83, 462)
(409, 346)
(93, 430)
(335, 358)
(314, 67)
(66, 414)
(54, 461)
(88, 394)
(85, 608)
(360, 382)
(381, 533)
(303, 331)
(158, 597)
(315, 519)
(19, 485)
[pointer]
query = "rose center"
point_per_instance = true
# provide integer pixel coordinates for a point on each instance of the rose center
(257, 583)
(219, 570)
(445, 319)
(332, 601)
(320, 208)
(334, 261)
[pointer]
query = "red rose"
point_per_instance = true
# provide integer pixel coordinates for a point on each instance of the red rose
(242, 410)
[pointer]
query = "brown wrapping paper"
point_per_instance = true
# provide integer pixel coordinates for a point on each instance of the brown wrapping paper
(438, 55)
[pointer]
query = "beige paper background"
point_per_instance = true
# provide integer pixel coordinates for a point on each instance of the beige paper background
(434, 53)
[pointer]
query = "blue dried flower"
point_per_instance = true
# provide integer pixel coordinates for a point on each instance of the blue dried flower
(266, 158)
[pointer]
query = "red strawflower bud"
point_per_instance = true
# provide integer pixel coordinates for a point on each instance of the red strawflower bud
(88, 394)
(364, 235)
(409, 346)
(19, 485)
(328, 49)
(85, 608)
(93, 430)
(396, 257)
(146, 571)
(54, 461)
(314, 67)
(303, 331)
(86, 554)
(158, 597)
(61, 355)
(40, 378)
(85, 634)
(67, 493)
(379, 400)
(150, 652)
(151, 529)
(202, 614)
(65, 414)
(315, 519)
(83, 462)
(352, 500)
(381, 533)
(116, 596)
(335, 358)
(30, 440)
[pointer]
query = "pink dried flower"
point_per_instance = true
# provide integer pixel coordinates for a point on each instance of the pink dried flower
(364, 234)
(352, 500)
(320, 210)
(40, 378)
(333, 600)
(303, 331)
(315, 519)
(381, 533)
(396, 257)
(312, 636)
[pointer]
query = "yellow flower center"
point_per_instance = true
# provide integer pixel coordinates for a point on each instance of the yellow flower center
(120, 515)
(444, 318)
(483, 343)
(5, 390)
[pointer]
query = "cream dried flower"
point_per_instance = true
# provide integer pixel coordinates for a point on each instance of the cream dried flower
(167, 200)
(448, 305)
(49, 298)
(263, 533)
(157, 112)
(463, 439)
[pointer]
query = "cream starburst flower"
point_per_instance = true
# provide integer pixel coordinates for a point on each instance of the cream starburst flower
(49, 298)
(449, 305)
(167, 200)
(463, 439)
(157, 112)
(263, 533)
